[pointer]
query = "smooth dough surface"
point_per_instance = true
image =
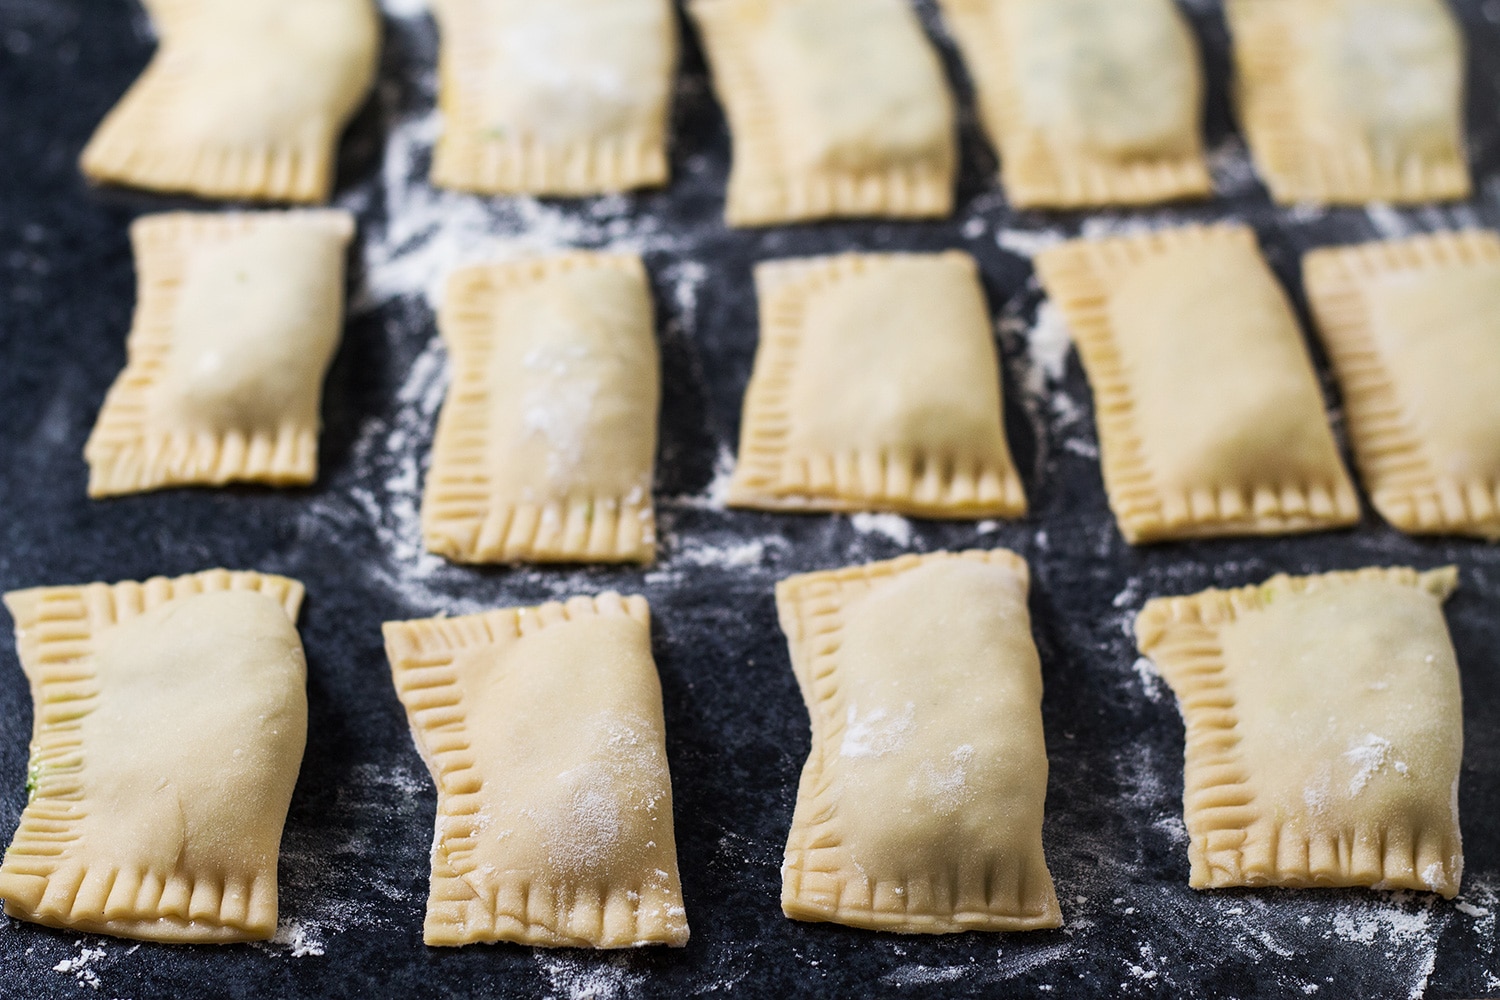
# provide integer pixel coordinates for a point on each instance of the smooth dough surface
(546, 445)
(566, 97)
(838, 108)
(243, 100)
(1353, 100)
(920, 808)
(1211, 420)
(166, 747)
(1325, 730)
(1413, 327)
(555, 806)
(876, 386)
(1089, 101)
(236, 322)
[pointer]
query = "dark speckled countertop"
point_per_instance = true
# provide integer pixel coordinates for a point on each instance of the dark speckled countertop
(354, 871)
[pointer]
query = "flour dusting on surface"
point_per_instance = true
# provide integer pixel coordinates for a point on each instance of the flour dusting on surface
(587, 978)
(80, 967)
(891, 526)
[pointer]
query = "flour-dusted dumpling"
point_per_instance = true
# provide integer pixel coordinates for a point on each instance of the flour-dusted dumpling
(564, 97)
(236, 321)
(1413, 328)
(1351, 101)
(170, 719)
(1090, 102)
(876, 387)
(546, 443)
(242, 100)
(543, 730)
(1210, 417)
(920, 807)
(1324, 729)
(838, 108)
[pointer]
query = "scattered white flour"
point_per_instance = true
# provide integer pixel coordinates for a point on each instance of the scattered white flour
(877, 732)
(925, 975)
(587, 978)
(1370, 756)
(299, 940)
(717, 490)
(404, 8)
(1028, 242)
(943, 788)
(1152, 683)
(738, 553)
(79, 966)
(1388, 223)
(1048, 344)
(1229, 163)
(893, 526)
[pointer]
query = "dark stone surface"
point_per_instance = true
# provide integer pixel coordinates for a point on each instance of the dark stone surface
(355, 853)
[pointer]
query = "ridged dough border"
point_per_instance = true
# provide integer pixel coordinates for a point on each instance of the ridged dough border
(1400, 474)
(1034, 171)
(523, 909)
(766, 478)
(810, 607)
(56, 629)
(123, 455)
(1080, 276)
(1230, 844)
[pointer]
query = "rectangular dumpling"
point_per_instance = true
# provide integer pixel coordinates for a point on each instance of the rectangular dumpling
(876, 387)
(920, 807)
(1352, 101)
(170, 719)
(1413, 328)
(1089, 102)
(1324, 729)
(562, 97)
(543, 730)
(242, 99)
(1210, 417)
(837, 108)
(547, 441)
(236, 322)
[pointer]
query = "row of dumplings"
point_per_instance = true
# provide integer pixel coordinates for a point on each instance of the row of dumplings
(1324, 742)
(876, 384)
(837, 107)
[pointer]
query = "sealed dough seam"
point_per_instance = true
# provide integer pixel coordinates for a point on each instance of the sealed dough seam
(123, 454)
(131, 145)
(55, 633)
(462, 517)
(1293, 165)
(1232, 843)
(768, 475)
(1079, 279)
(1035, 172)
(819, 881)
(472, 156)
(518, 907)
(761, 191)
(1398, 469)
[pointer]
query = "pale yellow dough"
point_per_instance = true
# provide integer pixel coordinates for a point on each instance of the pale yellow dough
(236, 322)
(1210, 417)
(1352, 101)
(920, 808)
(170, 719)
(1413, 328)
(876, 387)
(242, 100)
(837, 107)
(543, 730)
(1090, 102)
(546, 443)
(1324, 729)
(562, 97)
